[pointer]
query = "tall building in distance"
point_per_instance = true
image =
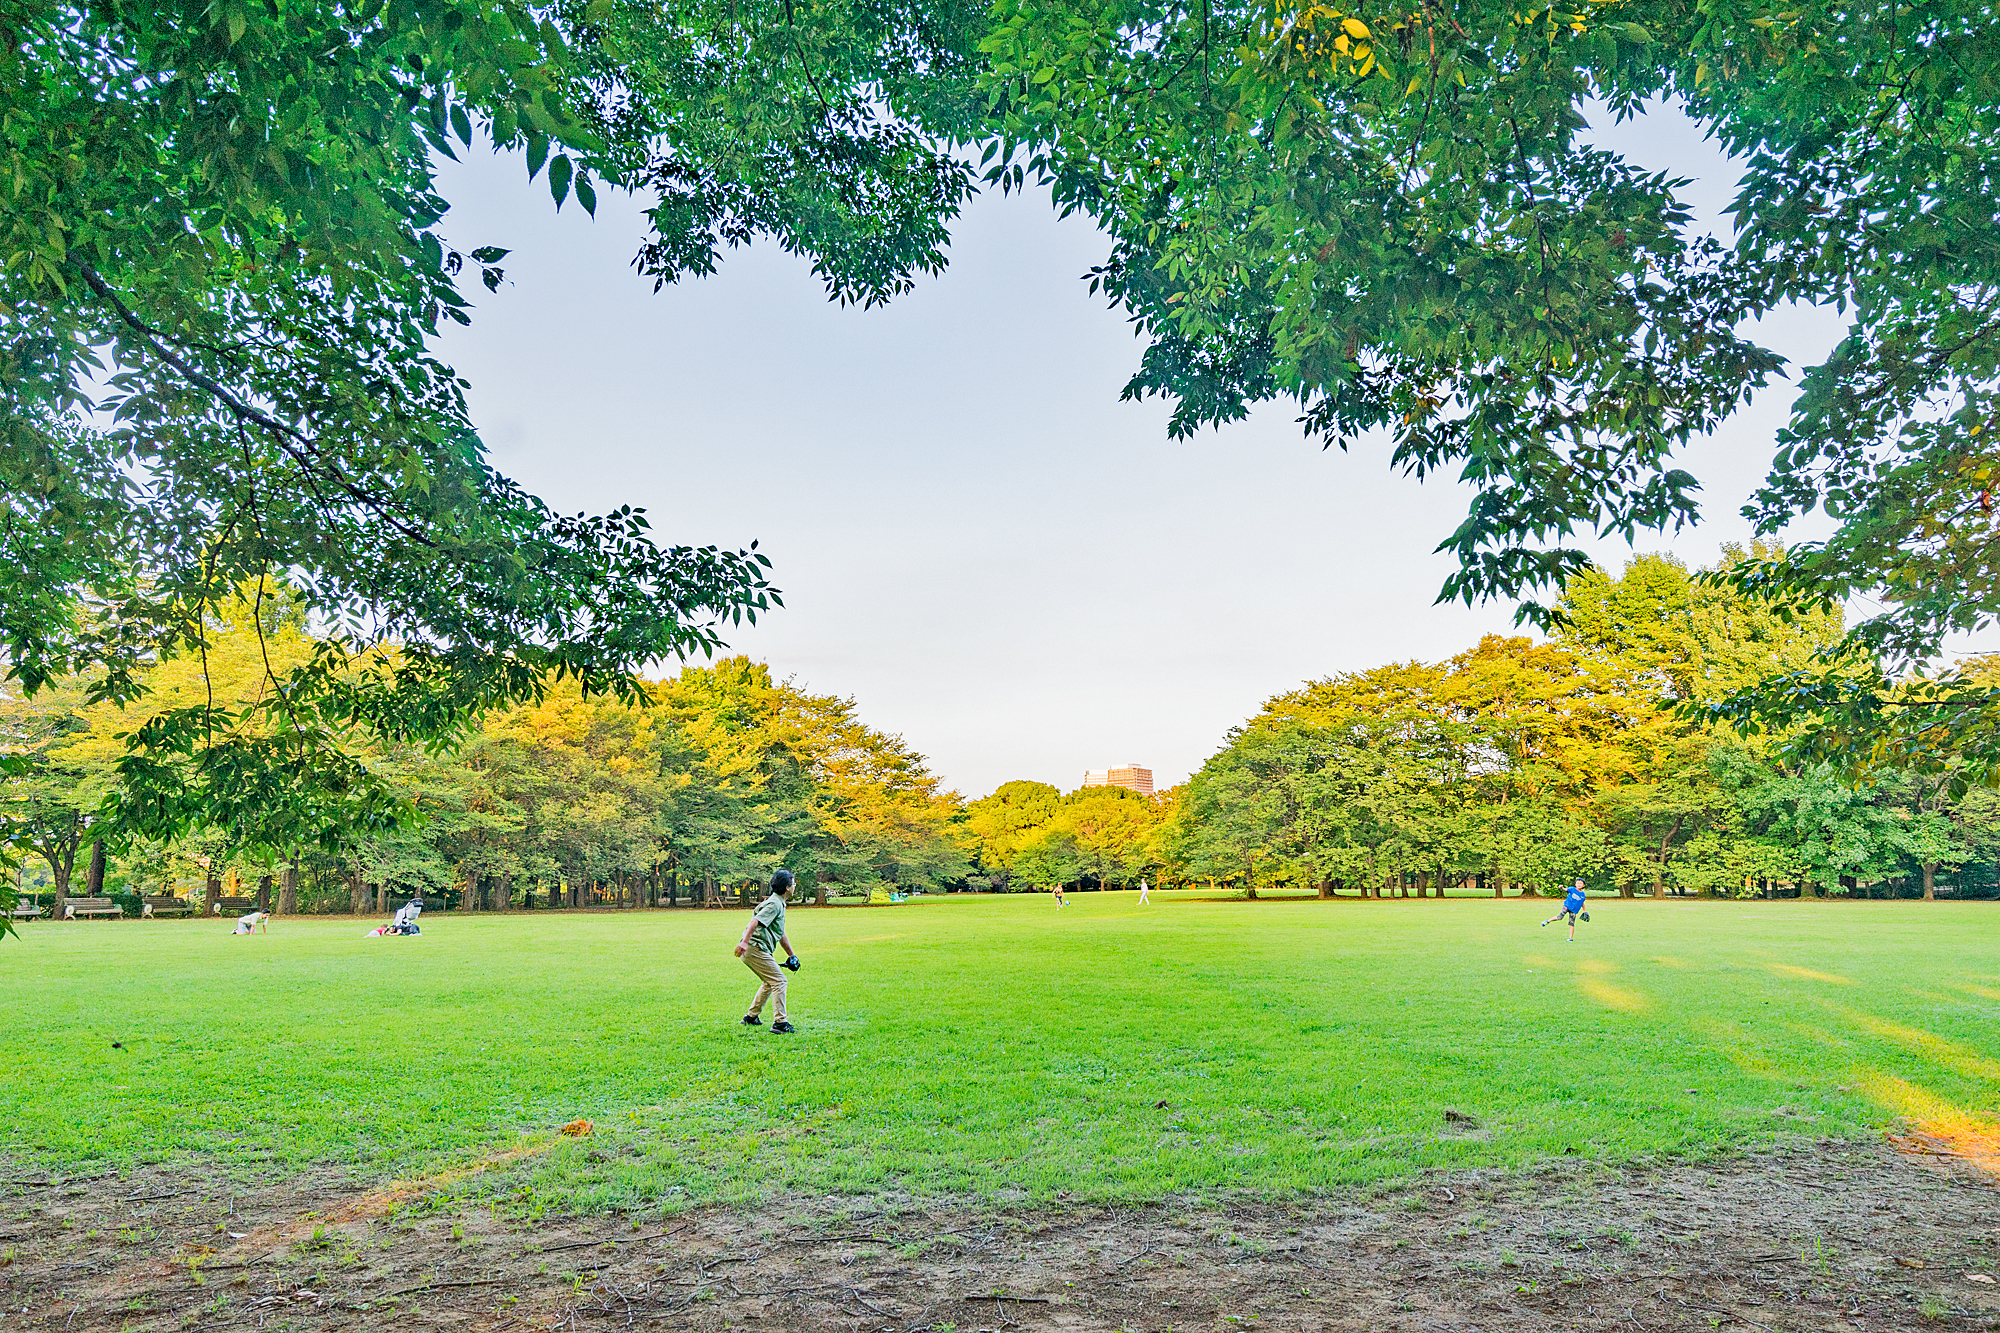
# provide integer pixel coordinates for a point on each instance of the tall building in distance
(1131, 778)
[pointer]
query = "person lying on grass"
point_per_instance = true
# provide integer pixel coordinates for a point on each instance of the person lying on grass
(1572, 908)
(758, 949)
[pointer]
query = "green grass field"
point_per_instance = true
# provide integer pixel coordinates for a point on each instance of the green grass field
(996, 1048)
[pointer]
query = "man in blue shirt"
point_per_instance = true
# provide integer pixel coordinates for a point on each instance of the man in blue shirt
(1573, 909)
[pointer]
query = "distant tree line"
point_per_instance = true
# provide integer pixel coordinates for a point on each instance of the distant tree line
(1512, 767)
(1517, 766)
(570, 801)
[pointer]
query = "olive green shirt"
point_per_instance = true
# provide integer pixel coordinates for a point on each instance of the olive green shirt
(770, 926)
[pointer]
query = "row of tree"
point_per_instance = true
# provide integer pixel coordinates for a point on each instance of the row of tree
(1605, 752)
(571, 800)
(1514, 766)
(1597, 753)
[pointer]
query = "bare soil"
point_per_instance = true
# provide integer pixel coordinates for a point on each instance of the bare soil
(1837, 1236)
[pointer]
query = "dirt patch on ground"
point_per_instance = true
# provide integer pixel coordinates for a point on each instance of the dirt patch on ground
(1846, 1236)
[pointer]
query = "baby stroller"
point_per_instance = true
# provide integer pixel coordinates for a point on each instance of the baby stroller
(406, 918)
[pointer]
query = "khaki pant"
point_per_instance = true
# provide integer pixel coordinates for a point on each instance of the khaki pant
(767, 970)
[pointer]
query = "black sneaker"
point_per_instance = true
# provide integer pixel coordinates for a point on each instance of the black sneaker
(782, 1026)
(751, 1020)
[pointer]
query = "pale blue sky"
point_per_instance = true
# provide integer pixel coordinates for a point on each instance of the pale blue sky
(976, 540)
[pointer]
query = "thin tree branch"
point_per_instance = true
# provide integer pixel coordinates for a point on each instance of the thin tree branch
(289, 438)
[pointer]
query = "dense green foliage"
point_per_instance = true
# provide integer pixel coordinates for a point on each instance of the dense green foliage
(1529, 764)
(568, 800)
(1030, 836)
(222, 237)
(1392, 215)
(991, 1044)
(1513, 765)
(226, 262)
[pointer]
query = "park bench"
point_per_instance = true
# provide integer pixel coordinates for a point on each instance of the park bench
(77, 907)
(229, 905)
(168, 906)
(28, 909)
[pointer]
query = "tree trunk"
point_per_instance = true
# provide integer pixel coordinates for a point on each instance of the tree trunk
(1326, 888)
(212, 894)
(62, 868)
(821, 890)
(503, 894)
(288, 890)
(94, 879)
(1499, 885)
(264, 893)
(1930, 881)
(357, 893)
(1659, 885)
(712, 895)
(1625, 890)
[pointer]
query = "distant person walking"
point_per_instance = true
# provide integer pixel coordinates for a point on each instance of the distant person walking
(1145, 894)
(758, 948)
(1573, 909)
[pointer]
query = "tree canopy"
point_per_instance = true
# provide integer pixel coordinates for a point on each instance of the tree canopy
(226, 261)
(569, 799)
(226, 264)
(1393, 215)
(1528, 764)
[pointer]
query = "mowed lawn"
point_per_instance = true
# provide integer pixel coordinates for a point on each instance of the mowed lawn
(995, 1047)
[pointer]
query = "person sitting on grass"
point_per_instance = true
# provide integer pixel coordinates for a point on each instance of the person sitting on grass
(758, 949)
(1573, 909)
(405, 921)
(250, 921)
